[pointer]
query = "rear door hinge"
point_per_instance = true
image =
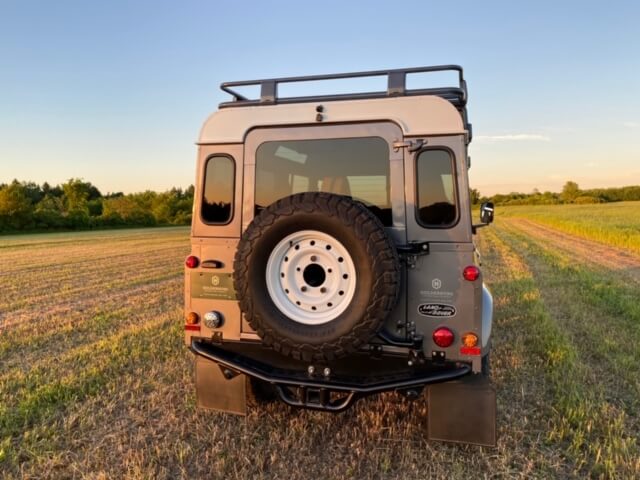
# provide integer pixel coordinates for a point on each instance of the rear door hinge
(410, 145)
(412, 251)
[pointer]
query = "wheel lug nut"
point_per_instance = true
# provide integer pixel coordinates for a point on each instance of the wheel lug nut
(323, 290)
(313, 258)
(304, 289)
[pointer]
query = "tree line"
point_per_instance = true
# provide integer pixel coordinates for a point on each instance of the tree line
(571, 193)
(78, 205)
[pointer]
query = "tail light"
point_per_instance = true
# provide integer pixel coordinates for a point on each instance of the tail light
(192, 318)
(443, 337)
(192, 261)
(471, 273)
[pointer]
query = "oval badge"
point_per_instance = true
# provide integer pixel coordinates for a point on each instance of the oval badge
(437, 310)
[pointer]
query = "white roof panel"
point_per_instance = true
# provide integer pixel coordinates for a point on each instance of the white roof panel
(416, 115)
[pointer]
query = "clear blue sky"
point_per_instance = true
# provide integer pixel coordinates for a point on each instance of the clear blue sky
(115, 92)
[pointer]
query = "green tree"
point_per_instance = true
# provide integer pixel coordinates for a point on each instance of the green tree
(15, 207)
(49, 213)
(474, 195)
(76, 195)
(126, 209)
(570, 192)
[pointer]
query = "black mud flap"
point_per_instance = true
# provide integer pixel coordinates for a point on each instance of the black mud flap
(463, 411)
(215, 391)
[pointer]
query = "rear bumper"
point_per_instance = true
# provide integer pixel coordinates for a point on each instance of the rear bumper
(331, 387)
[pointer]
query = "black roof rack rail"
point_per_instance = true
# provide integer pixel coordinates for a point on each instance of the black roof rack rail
(396, 86)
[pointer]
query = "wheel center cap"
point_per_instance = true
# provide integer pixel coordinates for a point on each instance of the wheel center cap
(314, 275)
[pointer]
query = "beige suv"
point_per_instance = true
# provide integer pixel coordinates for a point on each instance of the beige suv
(332, 253)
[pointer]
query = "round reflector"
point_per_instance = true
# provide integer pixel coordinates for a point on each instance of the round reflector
(192, 261)
(471, 273)
(443, 337)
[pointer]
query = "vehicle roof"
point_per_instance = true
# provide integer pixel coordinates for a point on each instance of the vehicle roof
(415, 115)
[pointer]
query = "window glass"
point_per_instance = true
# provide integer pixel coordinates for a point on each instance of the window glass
(217, 199)
(436, 188)
(356, 167)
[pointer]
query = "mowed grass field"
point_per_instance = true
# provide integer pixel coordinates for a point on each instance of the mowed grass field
(95, 381)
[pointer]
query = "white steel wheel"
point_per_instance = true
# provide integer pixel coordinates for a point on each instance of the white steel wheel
(311, 277)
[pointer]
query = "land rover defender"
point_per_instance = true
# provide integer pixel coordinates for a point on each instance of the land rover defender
(332, 252)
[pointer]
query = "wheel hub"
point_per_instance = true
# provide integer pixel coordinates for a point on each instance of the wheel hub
(314, 275)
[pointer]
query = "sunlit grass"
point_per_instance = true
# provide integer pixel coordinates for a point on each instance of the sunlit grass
(95, 381)
(616, 224)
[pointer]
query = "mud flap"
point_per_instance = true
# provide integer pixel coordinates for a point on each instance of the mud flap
(463, 411)
(215, 392)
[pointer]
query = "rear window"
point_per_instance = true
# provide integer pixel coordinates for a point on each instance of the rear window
(356, 167)
(217, 198)
(436, 189)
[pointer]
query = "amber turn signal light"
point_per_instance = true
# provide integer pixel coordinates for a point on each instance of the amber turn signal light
(470, 339)
(192, 318)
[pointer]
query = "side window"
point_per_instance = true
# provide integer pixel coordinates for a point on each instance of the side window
(217, 198)
(436, 189)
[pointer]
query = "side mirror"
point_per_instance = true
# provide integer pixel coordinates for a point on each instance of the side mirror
(486, 212)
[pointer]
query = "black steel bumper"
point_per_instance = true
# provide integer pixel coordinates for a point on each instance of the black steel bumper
(334, 386)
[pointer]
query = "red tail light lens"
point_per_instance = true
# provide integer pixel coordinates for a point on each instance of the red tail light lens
(443, 337)
(192, 261)
(471, 273)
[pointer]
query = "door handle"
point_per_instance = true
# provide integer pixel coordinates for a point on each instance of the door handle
(212, 264)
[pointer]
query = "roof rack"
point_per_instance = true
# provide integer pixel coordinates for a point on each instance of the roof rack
(396, 86)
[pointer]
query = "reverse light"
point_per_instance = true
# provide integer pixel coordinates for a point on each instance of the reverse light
(213, 319)
(192, 318)
(192, 261)
(471, 273)
(469, 340)
(443, 337)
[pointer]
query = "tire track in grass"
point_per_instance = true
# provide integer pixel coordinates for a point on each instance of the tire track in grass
(614, 224)
(79, 255)
(608, 334)
(29, 319)
(21, 349)
(622, 262)
(595, 432)
(38, 288)
(522, 415)
(57, 262)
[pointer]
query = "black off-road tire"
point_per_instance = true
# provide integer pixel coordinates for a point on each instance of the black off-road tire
(486, 365)
(374, 256)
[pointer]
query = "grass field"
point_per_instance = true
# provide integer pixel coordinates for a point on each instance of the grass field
(95, 381)
(616, 224)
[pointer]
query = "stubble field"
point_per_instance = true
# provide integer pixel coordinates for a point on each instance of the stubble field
(95, 381)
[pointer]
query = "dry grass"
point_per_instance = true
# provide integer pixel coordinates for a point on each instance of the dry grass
(96, 383)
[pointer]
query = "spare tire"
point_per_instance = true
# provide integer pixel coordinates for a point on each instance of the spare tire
(316, 275)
